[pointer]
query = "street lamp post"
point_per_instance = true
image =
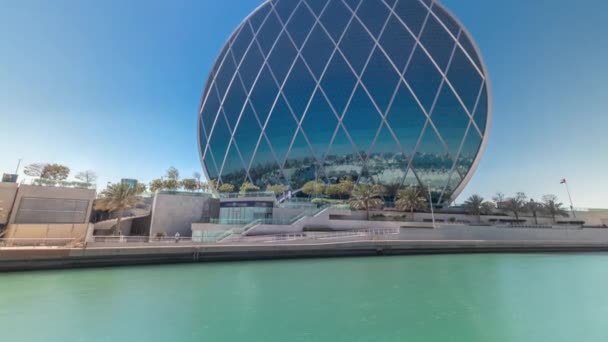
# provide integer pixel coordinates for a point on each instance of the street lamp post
(18, 164)
(569, 196)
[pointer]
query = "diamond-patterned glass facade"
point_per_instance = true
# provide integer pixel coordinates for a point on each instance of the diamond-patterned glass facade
(381, 91)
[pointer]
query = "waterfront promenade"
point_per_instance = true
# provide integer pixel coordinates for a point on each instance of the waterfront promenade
(382, 243)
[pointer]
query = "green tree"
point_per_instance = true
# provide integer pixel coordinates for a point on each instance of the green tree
(226, 188)
(346, 186)
(476, 205)
(190, 184)
(156, 184)
(410, 199)
(516, 205)
(141, 188)
(534, 208)
(342, 189)
(366, 197)
(117, 198)
(56, 172)
(247, 187)
(333, 190)
(172, 174)
(35, 169)
(277, 189)
(171, 184)
(197, 177)
(171, 181)
(553, 207)
(313, 188)
(88, 176)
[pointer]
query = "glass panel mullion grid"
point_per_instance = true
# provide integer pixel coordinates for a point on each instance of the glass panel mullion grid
(281, 85)
(280, 92)
(402, 78)
(319, 88)
(431, 123)
(337, 49)
(359, 82)
(247, 165)
(444, 78)
(232, 130)
(435, 3)
(443, 74)
(300, 56)
(212, 87)
(464, 139)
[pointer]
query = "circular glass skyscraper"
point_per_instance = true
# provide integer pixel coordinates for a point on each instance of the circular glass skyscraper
(380, 91)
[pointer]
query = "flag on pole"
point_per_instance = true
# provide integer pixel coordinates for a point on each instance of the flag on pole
(563, 181)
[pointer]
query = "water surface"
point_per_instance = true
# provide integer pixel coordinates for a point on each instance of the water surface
(418, 298)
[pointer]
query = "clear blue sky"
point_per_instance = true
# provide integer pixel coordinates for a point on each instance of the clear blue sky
(114, 86)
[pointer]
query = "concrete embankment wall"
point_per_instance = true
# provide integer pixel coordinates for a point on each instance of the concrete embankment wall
(460, 232)
(39, 259)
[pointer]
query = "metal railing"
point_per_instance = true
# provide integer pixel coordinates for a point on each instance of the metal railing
(198, 193)
(35, 242)
(367, 233)
(143, 239)
(243, 230)
(247, 194)
(540, 226)
(121, 239)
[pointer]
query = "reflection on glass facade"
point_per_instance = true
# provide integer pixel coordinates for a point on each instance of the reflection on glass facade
(381, 91)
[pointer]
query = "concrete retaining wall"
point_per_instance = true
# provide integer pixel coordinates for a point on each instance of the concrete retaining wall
(36, 259)
(53, 205)
(172, 213)
(8, 192)
(46, 231)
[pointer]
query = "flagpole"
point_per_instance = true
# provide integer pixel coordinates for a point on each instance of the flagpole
(570, 198)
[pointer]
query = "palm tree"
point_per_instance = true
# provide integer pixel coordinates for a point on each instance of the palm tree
(553, 207)
(476, 205)
(410, 199)
(516, 205)
(118, 198)
(366, 197)
(534, 207)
